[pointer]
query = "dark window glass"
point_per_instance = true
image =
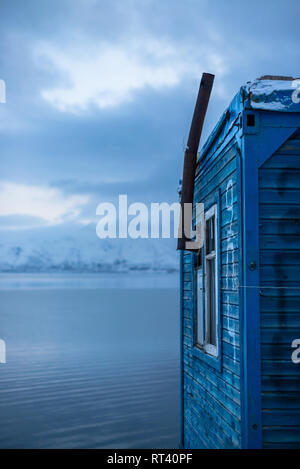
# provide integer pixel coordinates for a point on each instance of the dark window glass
(210, 235)
(212, 339)
(200, 307)
(199, 259)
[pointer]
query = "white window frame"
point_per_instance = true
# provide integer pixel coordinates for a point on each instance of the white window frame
(210, 348)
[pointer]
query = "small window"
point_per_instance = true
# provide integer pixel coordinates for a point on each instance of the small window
(206, 281)
(250, 120)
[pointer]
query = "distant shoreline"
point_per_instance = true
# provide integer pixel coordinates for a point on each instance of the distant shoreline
(89, 271)
(88, 280)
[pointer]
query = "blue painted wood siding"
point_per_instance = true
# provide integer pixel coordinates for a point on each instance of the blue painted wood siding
(279, 228)
(211, 398)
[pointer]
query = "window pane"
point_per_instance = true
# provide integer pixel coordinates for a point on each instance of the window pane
(212, 335)
(200, 309)
(198, 261)
(210, 235)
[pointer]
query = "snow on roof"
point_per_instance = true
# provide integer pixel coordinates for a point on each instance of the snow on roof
(274, 93)
(270, 93)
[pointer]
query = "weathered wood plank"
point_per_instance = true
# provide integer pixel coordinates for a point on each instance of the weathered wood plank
(280, 179)
(280, 319)
(279, 212)
(281, 384)
(280, 400)
(281, 335)
(220, 403)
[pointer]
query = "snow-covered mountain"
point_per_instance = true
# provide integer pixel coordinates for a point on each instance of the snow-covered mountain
(77, 248)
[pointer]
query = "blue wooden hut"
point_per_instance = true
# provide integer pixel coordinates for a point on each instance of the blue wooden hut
(240, 293)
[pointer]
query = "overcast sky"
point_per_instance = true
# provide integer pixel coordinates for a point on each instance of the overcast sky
(100, 94)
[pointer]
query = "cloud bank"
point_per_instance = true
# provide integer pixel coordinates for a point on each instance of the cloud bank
(108, 75)
(48, 204)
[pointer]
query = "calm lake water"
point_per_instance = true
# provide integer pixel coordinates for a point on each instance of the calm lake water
(92, 361)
